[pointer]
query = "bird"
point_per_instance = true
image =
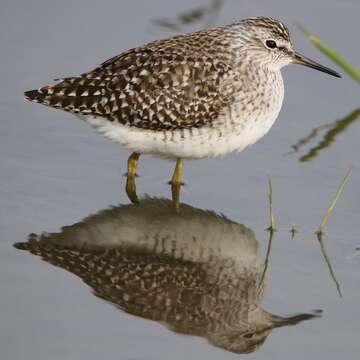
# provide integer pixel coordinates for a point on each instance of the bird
(199, 274)
(193, 96)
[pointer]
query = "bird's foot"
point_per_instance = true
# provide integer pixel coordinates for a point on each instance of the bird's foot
(130, 180)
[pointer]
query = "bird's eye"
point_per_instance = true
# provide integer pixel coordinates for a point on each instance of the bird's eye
(271, 44)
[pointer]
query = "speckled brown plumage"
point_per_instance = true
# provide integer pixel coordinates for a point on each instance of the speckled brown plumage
(176, 83)
(168, 84)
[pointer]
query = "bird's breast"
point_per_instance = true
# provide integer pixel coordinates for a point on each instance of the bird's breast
(254, 108)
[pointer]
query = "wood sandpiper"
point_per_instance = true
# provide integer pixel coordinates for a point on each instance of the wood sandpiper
(193, 96)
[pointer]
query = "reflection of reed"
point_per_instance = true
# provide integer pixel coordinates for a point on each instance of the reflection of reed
(328, 262)
(206, 13)
(320, 230)
(335, 128)
(267, 256)
(196, 272)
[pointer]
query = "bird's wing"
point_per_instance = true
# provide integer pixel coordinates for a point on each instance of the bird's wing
(165, 85)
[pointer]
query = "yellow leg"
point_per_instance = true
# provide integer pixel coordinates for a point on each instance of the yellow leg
(130, 181)
(176, 183)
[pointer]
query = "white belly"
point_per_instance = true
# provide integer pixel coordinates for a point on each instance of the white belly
(200, 143)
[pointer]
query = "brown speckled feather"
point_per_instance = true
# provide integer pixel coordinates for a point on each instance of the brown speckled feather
(169, 84)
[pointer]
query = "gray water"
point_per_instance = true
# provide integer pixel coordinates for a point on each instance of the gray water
(55, 171)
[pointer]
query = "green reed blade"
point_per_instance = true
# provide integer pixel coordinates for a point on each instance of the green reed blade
(272, 226)
(326, 217)
(331, 54)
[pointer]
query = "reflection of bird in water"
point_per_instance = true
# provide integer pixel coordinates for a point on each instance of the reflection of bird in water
(199, 273)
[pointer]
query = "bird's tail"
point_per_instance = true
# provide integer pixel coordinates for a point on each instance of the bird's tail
(77, 95)
(34, 95)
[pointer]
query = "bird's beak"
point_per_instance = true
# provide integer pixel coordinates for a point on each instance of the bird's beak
(303, 60)
(279, 321)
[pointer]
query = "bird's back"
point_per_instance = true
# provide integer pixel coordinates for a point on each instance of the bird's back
(165, 85)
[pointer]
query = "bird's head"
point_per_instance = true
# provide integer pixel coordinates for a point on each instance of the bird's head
(249, 333)
(268, 42)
